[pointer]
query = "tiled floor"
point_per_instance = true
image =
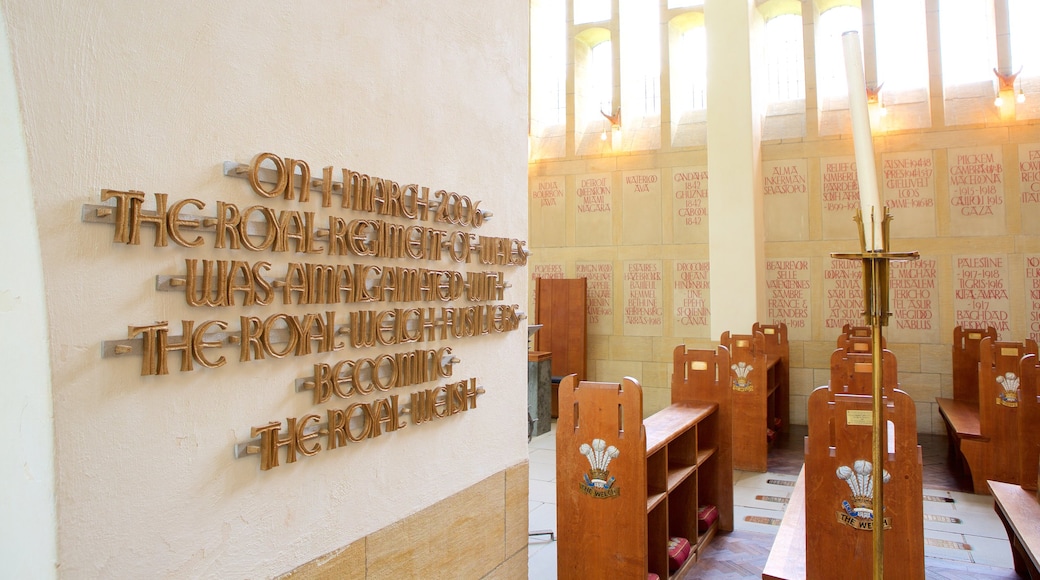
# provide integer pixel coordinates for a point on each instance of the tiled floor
(963, 536)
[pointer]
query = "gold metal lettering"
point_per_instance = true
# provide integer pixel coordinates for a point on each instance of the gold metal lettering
(302, 437)
(270, 233)
(228, 220)
(305, 179)
(165, 347)
(124, 201)
(175, 223)
(279, 169)
(158, 220)
(269, 444)
(198, 343)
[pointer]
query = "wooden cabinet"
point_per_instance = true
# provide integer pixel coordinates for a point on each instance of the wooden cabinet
(615, 517)
(560, 307)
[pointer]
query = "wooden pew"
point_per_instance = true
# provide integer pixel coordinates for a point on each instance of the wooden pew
(753, 375)
(778, 346)
(853, 372)
(1029, 422)
(966, 343)
(858, 339)
(1019, 511)
(986, 436)
(818, 519)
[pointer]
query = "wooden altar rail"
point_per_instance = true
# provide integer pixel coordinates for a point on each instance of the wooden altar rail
(994, 433)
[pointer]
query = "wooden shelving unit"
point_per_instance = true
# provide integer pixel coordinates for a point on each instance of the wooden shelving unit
(681, 441)
(662, 470)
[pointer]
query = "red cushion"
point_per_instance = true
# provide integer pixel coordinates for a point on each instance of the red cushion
(652, 576)
(706, 516)
(678, 552)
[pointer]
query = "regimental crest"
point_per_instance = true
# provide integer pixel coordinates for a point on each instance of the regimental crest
(742, 382)
(598, 482)
(859, 514)
(1009, 396)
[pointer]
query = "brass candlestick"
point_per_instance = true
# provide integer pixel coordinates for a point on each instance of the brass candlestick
(876, 313)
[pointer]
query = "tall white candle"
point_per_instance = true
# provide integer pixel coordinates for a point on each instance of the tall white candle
(866, 175)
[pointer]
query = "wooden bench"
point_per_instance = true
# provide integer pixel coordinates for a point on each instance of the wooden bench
(985, 435)
(966, 343)
(828, 515)
(853, 372)
(787, 557)
(1019, 511)
(779, 346)
(1029, 421)
(757, 380)
(858, 339)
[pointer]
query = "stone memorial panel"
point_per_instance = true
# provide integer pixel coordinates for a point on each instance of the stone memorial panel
(789, 291)
(548, 212)
(643, 290)
(1032, 281)
(593, 222)
(908, 188)
(1029, 186)
(914, 301)
(980, 293)
(691, 298)
(976, 184)
(641, 205)
(843, 292)
(599, 295)
(690, 205)
(786, 200)
(839, 193)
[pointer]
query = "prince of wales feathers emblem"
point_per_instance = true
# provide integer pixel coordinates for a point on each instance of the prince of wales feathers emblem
(860, 479)
(742, 383)
(1009, 396)
(598, 482)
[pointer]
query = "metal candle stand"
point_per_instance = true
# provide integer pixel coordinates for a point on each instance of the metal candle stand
(876, 313)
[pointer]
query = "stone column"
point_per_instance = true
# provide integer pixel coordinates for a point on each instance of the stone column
(736, 226)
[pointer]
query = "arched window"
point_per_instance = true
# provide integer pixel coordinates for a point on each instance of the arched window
(586, 11)
(548, 79)
(785, 58)
(967, 43)
(901, 40)
(832, 88)
(601, 81)
(640, 58)
(593, 88)
(1025, 55)
(640, 29)
(901, 47)
(690, 72)
(1025, 42)
(688, 79)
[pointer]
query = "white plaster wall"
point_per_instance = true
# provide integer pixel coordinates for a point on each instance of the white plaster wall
(155, 96)
(27, 531)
